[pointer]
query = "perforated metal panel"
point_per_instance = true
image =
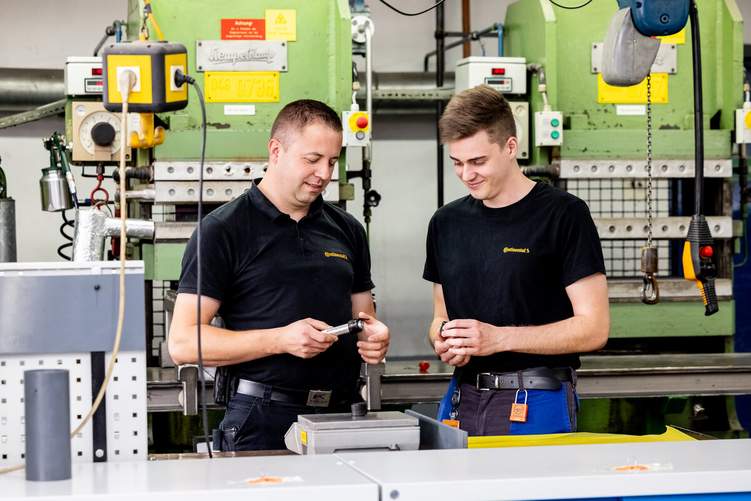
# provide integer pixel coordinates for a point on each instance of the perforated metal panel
(126, 405)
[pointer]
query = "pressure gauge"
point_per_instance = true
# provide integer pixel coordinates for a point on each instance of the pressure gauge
(100, 129)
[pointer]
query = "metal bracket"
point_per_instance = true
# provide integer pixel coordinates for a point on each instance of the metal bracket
(629, 169)
(632, 228)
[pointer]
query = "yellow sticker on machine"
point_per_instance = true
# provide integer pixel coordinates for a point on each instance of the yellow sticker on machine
(242, 86)
(676, 38)
(304, 437)
(281, 24)
(635, 94)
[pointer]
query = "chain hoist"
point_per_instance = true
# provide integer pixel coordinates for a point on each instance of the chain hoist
(650, 292)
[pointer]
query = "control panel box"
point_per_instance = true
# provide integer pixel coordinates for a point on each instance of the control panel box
(508, 75)
(356, 128)
(96, 133)
(83, 76)
(548, 128)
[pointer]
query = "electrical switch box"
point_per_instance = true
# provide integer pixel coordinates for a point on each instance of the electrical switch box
(356, 128)
(507, 75)
(548, 128)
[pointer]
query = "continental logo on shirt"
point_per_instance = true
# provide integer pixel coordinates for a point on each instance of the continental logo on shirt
(336, 254)
(516, 250)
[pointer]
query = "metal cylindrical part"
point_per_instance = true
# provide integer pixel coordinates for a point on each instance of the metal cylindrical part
(47, 422)
(92, 227)
(25, 88)
(134, 228)
(353, 326)
(7, 230)
(54, 190)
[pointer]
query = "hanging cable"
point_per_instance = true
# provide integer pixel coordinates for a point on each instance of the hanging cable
(384, 2)
(570, 7)
(180, 79)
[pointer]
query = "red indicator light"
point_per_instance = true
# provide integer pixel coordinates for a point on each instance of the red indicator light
(423, 366)
(706, 252)
(498, 71)
(96, 72)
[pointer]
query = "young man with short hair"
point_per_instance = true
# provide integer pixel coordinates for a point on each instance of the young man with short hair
(519, 286)
(280, 266)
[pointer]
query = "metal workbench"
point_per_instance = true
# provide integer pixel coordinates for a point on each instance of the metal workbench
(402, 382)
(718, 469)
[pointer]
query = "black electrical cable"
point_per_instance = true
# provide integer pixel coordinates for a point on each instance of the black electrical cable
(572, 7)
(181, 78)
(67, 223)
(384, 2)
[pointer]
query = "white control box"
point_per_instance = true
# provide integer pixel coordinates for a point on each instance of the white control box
(508, 75)
(548, 128)
(743, 126)
(356, 128)
(83, 76)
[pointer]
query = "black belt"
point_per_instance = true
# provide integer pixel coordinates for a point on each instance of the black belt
(311, 398)
(538, 378)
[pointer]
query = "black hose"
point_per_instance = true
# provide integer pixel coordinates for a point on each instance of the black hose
(698, 112)
(67, 223)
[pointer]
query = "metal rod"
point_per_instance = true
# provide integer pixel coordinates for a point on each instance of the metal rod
(439, 69)
(467, 47)
(698, 110)
(369, 84)
(487, 32)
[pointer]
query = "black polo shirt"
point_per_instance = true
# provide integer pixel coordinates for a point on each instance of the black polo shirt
(269, 271)
(510, 266)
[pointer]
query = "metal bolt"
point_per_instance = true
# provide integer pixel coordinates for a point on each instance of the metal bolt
(97, 287)
(99, 453)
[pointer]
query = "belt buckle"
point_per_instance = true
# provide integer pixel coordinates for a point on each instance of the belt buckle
(477, 382)
(318, 398)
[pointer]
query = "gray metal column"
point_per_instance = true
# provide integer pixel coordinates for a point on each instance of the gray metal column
(47, 417)
(7, 230)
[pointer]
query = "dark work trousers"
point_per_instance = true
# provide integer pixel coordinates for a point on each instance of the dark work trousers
(253, 424)
(486, 413)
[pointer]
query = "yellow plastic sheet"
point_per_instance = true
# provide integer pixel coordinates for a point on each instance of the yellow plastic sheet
(670, 435)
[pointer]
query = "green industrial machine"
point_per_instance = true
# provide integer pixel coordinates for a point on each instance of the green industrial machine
(603, 159)
(603, 156)
(251, 58)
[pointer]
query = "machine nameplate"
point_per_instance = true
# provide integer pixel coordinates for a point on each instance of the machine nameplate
(241, 55)
(242, 87)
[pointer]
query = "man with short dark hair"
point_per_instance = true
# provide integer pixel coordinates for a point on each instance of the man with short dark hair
(518, 276)
(280, 266)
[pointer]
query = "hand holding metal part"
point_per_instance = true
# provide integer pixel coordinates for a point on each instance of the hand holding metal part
(373, 340)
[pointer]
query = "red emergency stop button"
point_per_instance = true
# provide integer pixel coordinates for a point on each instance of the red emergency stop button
(706, 251)
(423, 366)
(362, 122)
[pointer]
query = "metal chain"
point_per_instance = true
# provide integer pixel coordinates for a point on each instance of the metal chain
(649, 160)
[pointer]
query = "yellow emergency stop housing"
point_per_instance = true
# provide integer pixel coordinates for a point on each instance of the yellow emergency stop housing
(154, 64)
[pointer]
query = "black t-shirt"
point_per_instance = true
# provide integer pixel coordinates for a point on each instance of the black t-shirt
(510, 266)
(269, 271)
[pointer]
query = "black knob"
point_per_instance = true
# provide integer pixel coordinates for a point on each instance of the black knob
(359, 409)
(103, 134)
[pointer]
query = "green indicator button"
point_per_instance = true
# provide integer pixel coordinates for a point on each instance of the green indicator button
(555, 134)
(555, 122)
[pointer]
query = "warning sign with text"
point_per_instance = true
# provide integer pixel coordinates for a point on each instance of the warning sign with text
(243, 29)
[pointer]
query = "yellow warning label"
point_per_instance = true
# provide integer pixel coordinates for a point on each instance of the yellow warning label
(635, 94)
(242, 86)
(304, 437)
(676, 38)
(281, 24)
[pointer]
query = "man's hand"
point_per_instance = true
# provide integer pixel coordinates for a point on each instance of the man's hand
(304, 338)
(373, 340)
(442, 350)
(470, 337)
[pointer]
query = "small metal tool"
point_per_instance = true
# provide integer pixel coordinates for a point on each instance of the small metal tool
(351, 327)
